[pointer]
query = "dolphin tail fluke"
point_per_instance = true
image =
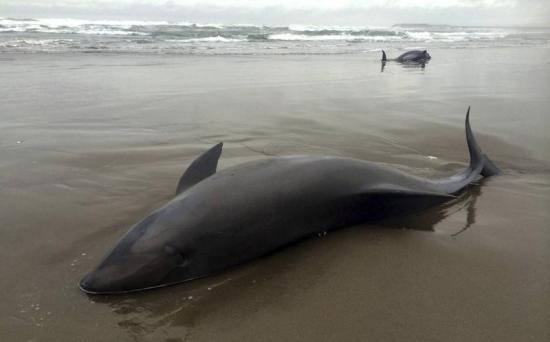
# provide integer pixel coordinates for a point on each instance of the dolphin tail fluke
(480, 165)
(488, 168)
(384, 56)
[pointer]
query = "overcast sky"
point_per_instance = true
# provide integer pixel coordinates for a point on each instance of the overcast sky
(284, 12)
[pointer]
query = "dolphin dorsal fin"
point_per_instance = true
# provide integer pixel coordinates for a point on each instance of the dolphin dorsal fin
(202, 167)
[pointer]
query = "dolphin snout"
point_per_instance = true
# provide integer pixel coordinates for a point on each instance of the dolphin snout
(112, 278)
(100, 282)
(86, 284)
(89, 284)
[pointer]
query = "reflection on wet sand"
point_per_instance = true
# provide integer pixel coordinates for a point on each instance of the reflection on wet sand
(470, 206)
(430, 219)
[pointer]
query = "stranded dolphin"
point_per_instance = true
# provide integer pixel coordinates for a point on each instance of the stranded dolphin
(414, 56)
(221, 219)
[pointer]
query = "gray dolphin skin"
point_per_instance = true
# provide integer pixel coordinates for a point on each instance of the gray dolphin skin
(414, 56)
(221, 219)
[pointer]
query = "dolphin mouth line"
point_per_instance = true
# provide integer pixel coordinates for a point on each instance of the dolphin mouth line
(91, 292)
(126, 291)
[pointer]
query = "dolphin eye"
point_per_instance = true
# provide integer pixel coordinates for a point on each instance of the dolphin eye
(179, 258)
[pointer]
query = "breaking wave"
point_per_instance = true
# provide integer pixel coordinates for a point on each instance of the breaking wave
(127, 35)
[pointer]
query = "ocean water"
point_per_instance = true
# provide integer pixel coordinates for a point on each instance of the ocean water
(72, 35)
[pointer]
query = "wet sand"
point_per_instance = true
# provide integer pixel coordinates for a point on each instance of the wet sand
(90, 143)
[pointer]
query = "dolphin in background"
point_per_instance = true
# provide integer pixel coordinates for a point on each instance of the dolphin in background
(413, 56)
(221, 219)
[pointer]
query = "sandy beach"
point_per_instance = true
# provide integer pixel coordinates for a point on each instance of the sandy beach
(91, 143)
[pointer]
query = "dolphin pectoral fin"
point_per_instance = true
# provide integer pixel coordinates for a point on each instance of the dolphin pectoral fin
(202, 167)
